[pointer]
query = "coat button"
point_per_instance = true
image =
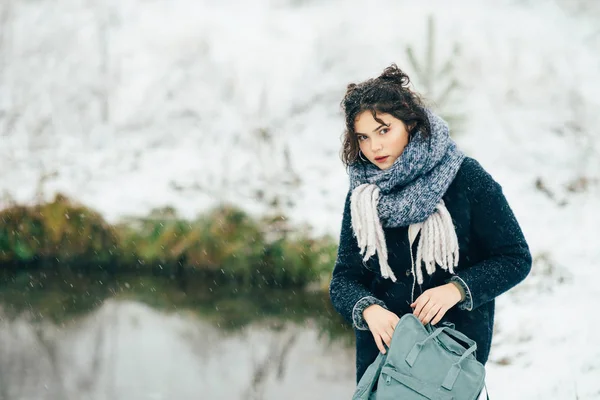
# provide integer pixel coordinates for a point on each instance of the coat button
(408, 272)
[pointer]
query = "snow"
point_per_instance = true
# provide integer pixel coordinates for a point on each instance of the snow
(142, 104)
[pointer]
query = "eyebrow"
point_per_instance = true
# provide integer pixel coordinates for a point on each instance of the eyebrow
(374, 130)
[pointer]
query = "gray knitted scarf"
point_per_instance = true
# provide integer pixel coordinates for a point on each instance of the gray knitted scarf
(409, 193)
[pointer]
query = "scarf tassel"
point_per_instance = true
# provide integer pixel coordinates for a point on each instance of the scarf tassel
(438, 244)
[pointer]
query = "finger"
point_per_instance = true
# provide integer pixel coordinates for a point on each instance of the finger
(387, 339)
(439, 316)
(379, 343)
(423, 296)
(426, 310)
(421, 302)
(432, 313)
(390, 334)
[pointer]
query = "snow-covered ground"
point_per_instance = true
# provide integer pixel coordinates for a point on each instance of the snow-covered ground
(130, 105)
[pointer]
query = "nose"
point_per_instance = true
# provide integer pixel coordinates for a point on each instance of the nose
(376, 146)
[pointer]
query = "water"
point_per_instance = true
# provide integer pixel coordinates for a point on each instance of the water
(143, 338)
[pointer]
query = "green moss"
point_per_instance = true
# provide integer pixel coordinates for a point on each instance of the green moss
(60, 231)
(225, 238)
(226, 244)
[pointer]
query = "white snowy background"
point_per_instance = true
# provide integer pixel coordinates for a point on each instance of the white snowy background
(130, 105)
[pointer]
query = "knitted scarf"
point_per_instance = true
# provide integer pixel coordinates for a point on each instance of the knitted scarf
(409, 193)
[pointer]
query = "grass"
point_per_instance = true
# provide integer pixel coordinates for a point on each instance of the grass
(225, 244)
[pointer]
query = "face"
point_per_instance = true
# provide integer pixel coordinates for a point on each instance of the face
(380, 143)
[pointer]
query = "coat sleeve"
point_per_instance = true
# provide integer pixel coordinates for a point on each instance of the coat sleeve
(506, 259)
(349, 288)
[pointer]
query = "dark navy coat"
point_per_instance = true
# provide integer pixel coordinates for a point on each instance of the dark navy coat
(493, 258)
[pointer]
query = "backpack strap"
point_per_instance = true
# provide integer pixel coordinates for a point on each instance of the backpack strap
(367, 381)
(455, 370)
(487, 396)
(416, 349)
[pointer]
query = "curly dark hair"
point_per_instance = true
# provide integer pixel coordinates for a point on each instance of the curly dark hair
(388, 93)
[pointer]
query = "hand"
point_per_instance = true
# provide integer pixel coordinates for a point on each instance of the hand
(432, 304)
(381, 324)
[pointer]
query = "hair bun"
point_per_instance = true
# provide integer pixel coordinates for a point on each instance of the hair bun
(395, 75)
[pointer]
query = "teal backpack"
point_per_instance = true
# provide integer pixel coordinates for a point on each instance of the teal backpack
(424, 363)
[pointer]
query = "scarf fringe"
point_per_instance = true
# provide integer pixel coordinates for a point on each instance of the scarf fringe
(438, 244)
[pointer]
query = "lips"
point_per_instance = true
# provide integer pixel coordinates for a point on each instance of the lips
(381, 159)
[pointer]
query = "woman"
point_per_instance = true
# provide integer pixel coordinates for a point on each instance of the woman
(425, 229)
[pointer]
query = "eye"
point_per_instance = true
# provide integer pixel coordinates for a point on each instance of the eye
(361, 138)
(383, 131)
